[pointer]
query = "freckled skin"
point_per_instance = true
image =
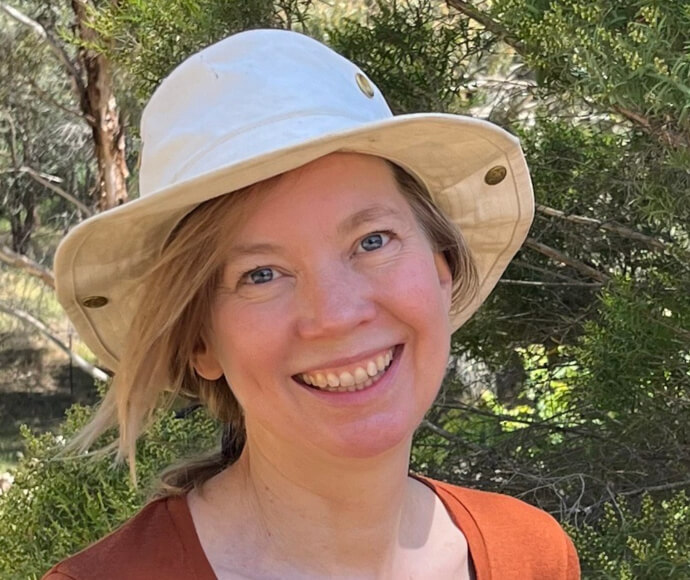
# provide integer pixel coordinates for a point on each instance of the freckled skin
(327, 297)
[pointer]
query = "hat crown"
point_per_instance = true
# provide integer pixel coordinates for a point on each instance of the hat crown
(251, 90)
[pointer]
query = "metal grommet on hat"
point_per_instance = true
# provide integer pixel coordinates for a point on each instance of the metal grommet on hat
(95, 302)
(495, 175)
(364, 85)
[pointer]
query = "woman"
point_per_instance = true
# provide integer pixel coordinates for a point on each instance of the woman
(311, 311)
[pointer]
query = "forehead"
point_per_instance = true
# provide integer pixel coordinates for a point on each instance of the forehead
(327, 190)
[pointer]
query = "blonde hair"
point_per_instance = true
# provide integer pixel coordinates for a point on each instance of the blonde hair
(171, 321)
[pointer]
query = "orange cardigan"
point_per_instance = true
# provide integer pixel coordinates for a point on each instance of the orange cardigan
(507, 538)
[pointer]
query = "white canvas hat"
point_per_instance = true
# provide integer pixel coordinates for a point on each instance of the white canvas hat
(261, 103)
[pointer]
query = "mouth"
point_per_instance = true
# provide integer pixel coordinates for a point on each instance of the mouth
(357, 377)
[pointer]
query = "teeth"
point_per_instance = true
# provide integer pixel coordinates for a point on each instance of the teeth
(356, 380)
(346, 379)
(360, 375)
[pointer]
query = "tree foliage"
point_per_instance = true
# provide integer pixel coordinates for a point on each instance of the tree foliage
(627, 57)
(41, 133)
(647, 542)
(570, 387)
(150, 38)
(59, 505)
(421, 59)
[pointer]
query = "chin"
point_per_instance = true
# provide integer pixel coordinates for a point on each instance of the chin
(372, 440)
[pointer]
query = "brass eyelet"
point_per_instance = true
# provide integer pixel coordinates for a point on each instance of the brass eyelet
(94, 302)
(495, 175)
(364, 85)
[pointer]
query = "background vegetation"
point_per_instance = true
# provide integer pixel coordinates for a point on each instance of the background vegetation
(570, 387)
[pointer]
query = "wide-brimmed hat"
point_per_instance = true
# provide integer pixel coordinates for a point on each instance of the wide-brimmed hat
(261, 103)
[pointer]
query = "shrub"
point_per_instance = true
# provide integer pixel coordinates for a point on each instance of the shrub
(652, 542)
(58, 506)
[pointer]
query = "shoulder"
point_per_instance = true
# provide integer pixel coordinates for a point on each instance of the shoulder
(504, 511)
(514, 532)
(145, 546)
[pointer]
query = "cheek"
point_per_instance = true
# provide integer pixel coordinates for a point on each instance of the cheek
(246, 337)
(420, 302)
(415, 286)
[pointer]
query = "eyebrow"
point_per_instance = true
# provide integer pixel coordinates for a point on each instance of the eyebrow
(366, 215)
(349, 224)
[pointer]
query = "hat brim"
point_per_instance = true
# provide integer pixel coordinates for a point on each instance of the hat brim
(107, 254)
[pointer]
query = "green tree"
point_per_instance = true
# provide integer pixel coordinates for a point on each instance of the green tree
(57, 506)
(570, 387)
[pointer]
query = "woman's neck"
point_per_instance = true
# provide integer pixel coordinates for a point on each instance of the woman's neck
(317, 515)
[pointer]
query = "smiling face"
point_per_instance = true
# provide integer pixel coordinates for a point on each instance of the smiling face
(331, 321)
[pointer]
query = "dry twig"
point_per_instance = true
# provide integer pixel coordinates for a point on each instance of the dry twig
(34, 268)
(27, 318)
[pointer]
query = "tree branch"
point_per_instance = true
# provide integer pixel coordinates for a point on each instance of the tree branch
(25, 317)
(606, 226)
(49, 181)
(546, 424)
(557, 256)
(20, 261)
(54, 46)
(666, 136)
(448, 436)
(544, 284)
(663, 487)
(487, 22)
(13, 140)
(654, 128)
(46, 98)
(551, 273)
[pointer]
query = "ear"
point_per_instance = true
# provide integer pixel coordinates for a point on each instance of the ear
(206, 364)
(445, 278)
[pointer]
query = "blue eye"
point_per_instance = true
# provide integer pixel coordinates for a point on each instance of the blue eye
(374, 241)
(260, 275)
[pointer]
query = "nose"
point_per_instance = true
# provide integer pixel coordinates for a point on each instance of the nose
(334, 302)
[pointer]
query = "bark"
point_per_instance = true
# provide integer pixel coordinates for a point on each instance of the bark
(100, 108)
(92, 82)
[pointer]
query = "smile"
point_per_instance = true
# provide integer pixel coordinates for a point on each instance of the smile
(355, 378)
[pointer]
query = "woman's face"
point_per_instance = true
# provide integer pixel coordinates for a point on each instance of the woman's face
(329, 280)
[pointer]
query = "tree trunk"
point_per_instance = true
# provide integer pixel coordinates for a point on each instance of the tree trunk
(100, 108)
(23, 221)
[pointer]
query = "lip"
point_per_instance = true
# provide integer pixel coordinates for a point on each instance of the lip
(363, 396)
(334, 365)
